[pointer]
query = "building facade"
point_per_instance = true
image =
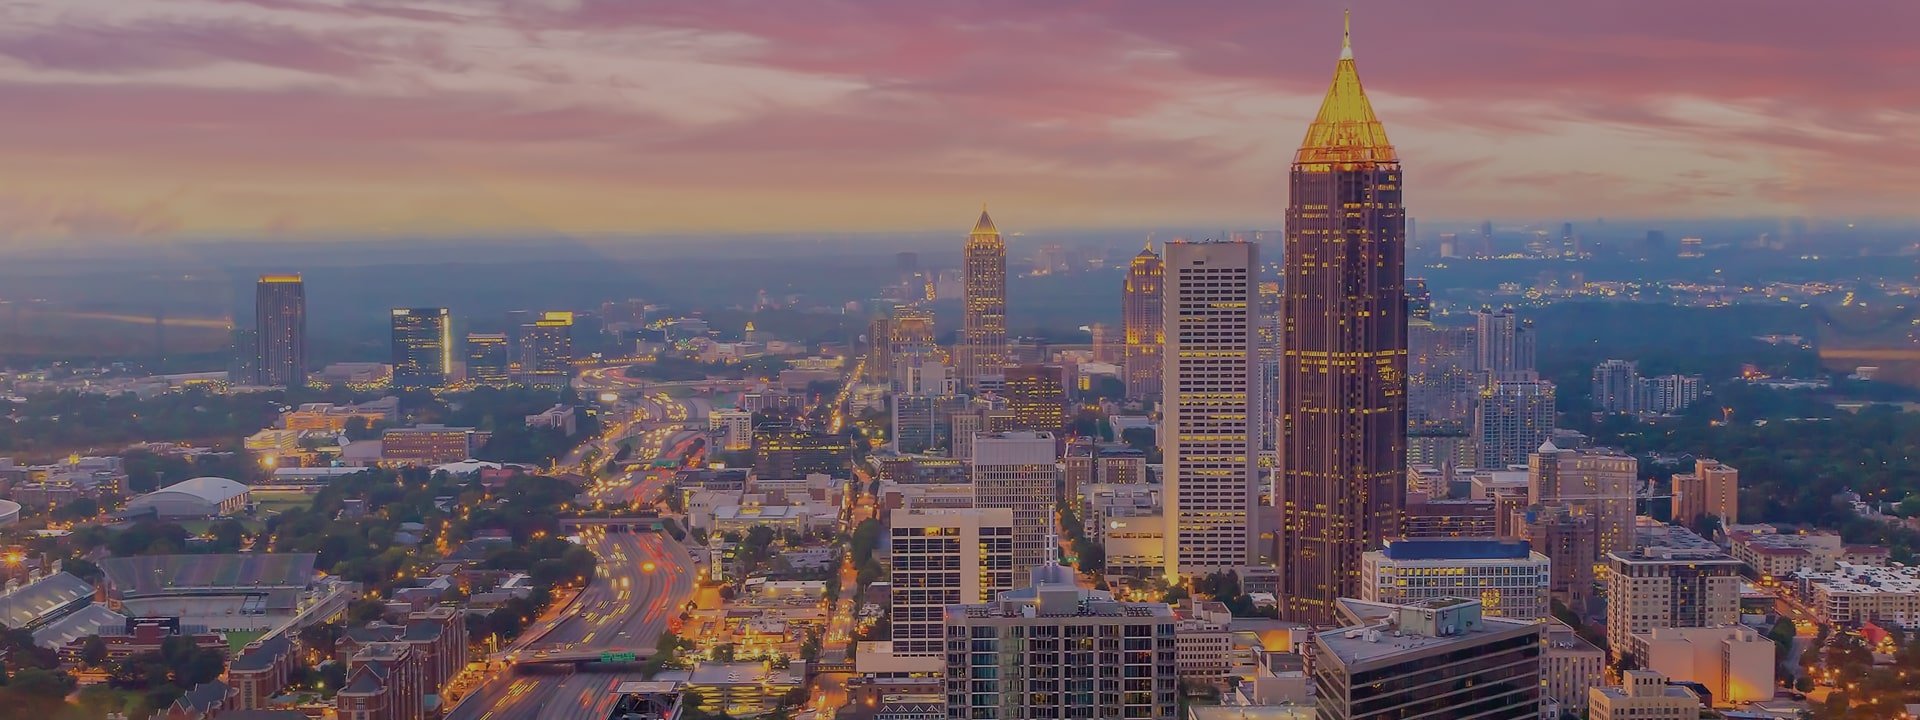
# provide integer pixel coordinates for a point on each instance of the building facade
(1663, 587)
(489, 359)
(1143, 321)
(1509, 579)
(945, 557)
(1208, 432)
(1014, 470)
(983, 327)
(1343, 405)
(546, 349)
(280, 331)
(1711, 490)
(1434, 660)
(1511, 419)
(422, 348)
(1055, 650)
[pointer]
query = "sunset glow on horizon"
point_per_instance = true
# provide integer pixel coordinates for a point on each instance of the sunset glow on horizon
(295, 118)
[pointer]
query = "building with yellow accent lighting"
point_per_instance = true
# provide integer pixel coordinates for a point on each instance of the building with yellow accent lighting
(422, 348)
(1211, 425)
(983, 327)
(1143, 330)
(1343, 365)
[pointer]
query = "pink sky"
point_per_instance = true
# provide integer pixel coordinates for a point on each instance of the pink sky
(280, 118)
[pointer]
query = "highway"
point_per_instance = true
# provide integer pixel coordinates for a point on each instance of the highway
(641, 584)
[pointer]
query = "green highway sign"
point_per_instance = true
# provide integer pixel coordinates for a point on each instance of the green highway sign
(609, 657)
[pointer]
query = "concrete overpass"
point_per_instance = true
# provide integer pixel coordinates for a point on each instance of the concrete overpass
(597, 660)
(614, 524)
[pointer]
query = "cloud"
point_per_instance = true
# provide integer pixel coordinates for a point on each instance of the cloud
(264, 116)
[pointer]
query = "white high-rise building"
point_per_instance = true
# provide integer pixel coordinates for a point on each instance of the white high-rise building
(1015, 470)
(941, 557)
(1209, 432)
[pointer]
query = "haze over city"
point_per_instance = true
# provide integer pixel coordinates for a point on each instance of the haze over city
(860, 360)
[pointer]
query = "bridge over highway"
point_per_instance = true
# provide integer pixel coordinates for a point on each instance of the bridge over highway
(603, 660)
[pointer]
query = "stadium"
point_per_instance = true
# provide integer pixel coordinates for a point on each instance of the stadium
(252, 591)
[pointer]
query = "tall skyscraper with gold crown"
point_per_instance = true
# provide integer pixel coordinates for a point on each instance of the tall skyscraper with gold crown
(1342, 449)
(1144, 330)
(983, 329)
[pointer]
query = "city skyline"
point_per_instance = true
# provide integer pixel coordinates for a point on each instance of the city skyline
(593, 118)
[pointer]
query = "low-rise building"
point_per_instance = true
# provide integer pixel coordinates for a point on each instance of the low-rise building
(1570, 667)
(1854, 595)
(558, 417)
(1644, 696)
(1776, 554)
(1510, 580)
(429, 445)
(201, 497)
(1734, 663)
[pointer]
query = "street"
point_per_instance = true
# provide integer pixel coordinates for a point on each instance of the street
(641, 583)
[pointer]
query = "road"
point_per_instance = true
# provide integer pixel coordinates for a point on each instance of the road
(641, 584)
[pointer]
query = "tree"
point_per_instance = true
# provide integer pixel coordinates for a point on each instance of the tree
(41, 683)
(93, 651)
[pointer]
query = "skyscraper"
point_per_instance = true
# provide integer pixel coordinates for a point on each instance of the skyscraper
(280, 330)
(1511, 420)
(1210, 425)
(422, 347)
(1343, 403)
(1014, 470)
(546, 347)
(983, 330)
(1712, 489)
(1616, 387)
(489, 359)
(1145, 332)
(1441, 378)
(1037, 395)
(1506, 345)
(941, 557)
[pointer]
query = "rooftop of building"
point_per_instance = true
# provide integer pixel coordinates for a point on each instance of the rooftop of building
(1389, 631)
(1457, 549)
(214, 490)
(34, 601)
(1850, 578)
(159, 573)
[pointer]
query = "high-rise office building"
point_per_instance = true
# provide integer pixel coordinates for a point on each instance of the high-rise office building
(1269, 326)
(941, 557)
(546, 347)
(1439, 659)
(1343, 405)
(1570, 540)
(422, 347)
(1442, 377)
(983, 328)
(1506, 345)
(1055, 650)
(879, 360)
(1015, 470)
(1209, 429)
(1508, 578)
(1511, 420)
(280, 331)
(1037, 395)
(1666, 587)
(1711, 490)
(1144, 323)
(489, 359)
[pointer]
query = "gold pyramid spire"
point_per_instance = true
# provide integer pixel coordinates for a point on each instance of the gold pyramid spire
(984, 226)
(1346, 130)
